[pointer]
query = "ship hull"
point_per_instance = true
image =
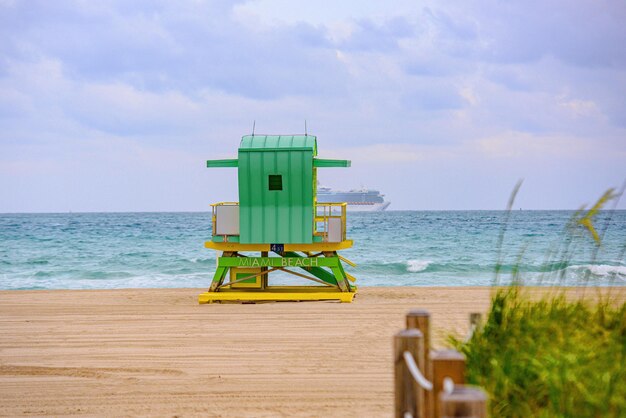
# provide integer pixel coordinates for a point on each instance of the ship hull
(367, 207)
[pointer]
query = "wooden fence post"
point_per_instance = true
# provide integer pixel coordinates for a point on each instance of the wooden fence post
(475, 319)
(409, 395)
(464, 401)
(446, 363)
(420, 319)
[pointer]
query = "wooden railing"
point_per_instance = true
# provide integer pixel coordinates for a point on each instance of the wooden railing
(429, 383)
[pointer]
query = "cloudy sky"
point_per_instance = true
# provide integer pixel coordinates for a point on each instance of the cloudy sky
(116, 105)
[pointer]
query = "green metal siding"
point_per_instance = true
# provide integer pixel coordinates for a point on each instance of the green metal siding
(324, 162)
(276, 216)
(272, 142)
(221, 163)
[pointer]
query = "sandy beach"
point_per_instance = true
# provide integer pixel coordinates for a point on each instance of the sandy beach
(157, 352)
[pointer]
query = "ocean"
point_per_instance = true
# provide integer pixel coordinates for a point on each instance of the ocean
(394, 248)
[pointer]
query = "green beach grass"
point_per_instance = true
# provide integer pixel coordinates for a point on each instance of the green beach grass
(552, 356)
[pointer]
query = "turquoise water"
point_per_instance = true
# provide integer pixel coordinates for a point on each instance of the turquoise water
(132, 250)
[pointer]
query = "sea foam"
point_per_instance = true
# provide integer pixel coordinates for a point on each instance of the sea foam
(415, 266)
(602, 270)
(447, 248)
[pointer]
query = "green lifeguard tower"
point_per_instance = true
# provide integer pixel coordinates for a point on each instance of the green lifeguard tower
(277, 214)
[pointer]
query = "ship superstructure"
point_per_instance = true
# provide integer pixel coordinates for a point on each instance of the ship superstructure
(363, 200)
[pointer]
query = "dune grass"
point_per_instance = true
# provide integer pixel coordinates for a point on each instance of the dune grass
(552, 356)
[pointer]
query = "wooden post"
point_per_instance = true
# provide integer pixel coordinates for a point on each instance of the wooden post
(420, 319)
(409, 396)
(464, 401)
(476, 319)
(446, 363)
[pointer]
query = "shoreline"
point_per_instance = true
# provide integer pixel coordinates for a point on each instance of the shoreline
(158, 352)
(532, 287)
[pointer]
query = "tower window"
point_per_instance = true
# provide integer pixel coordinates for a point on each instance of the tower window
(276, 182)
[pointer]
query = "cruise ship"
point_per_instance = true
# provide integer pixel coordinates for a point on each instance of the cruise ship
(363, 200)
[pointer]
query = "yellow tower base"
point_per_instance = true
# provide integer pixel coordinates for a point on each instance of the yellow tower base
(249, 274)
(278, 293)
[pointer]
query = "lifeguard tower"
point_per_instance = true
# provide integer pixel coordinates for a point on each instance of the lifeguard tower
(277, 225)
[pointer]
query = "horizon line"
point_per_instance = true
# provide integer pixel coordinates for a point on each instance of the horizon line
(362, 212)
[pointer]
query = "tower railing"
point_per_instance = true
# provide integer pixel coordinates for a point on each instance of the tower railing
(214, 209)
(329, 222)
(326, 217)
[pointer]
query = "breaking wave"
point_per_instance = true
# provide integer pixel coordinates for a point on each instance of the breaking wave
(415, 266)
(604, 271)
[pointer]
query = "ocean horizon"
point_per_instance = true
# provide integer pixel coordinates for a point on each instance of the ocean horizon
(104, 250)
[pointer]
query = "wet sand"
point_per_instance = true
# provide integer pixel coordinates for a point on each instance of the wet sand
(157, 352)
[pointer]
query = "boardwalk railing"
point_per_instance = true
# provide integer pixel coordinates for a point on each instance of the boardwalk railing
(429, 383)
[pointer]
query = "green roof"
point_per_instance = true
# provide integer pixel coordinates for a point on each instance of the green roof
(273, 142)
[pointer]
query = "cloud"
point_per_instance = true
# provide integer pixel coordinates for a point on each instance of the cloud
(524, 145)
(451, 26)
(161, 47)
(434, 96)
(451, 87)
(584, 33)
(511, 145)
(393, 153)
(511, 78)
(366, 35)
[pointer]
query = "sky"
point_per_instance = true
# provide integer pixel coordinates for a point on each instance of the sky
(440, 105)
